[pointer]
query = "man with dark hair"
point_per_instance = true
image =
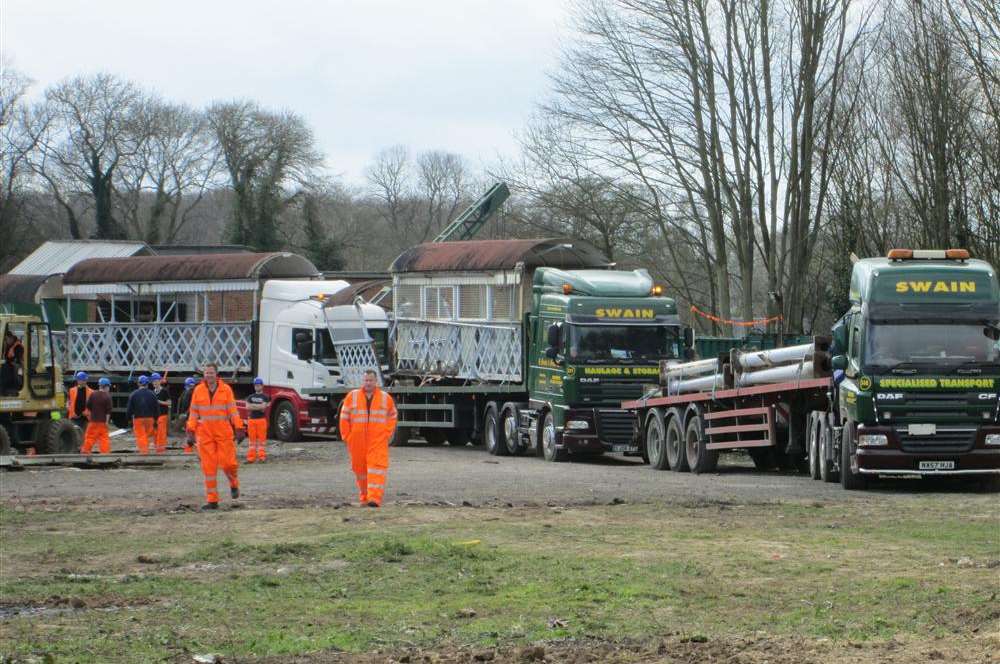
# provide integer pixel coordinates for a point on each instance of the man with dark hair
(184, 405)
(99, 416)
(142, 410)
(367, 422)
(162, 395)
(13, 361)
(214, 422)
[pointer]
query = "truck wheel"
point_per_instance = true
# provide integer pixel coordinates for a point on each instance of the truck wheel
(813, 446)
(826, 471)
(700, 459)
(284, 422)
(434, 437)
(848, 478)
(509, 432)
(676, 456)
(656, 440)
(547, 435)
(58, 437)
(5, 446)
(491, 432)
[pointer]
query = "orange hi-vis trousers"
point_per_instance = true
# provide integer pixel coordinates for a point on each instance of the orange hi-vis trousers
(366, 428)
(257, 433)
(144, 432)
(217, 453)
(162, 428)
(97, 432)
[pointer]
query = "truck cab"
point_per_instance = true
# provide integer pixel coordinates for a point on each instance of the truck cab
(597, 338)
(920, 357)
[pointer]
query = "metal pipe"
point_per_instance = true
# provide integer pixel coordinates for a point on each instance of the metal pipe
(692, 368)
(715, 381)
(788, 372)
(765, 359)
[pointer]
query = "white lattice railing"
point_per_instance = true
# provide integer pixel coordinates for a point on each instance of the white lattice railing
(464, 350)
(159, 346)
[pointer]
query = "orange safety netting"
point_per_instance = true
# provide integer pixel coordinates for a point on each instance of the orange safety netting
(738, 323)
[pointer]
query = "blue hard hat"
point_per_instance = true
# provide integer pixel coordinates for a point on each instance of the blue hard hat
(189, 382)
(258, 381)
(156, 376)
(81, 375)
(143, 380)
(104, 382)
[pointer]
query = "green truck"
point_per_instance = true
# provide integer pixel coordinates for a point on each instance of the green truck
(920, 359)
(522, 345)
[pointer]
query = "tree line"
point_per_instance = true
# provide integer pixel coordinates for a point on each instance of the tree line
(739, 151)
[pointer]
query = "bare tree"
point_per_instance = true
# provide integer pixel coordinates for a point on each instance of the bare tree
(268, 157)
(16, 145)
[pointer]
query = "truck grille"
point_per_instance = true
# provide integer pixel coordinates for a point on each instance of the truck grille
(952, 409)
(615, 426)
(611, 391)
(945, 441)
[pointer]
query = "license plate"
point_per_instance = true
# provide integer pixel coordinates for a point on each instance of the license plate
(937, 465)
(921, 429)
(623, 448)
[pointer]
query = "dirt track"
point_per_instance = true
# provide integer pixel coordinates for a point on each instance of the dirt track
(318, 471)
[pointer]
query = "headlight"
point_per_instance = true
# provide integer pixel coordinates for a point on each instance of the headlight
(872, 440)
(993, 439)
(577, 425)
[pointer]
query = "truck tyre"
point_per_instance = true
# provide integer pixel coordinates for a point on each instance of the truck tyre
(58, 437)
(284, 422)
(5, 446)
(676, 456)
(826, 471)
(509, 431)
(434, 436)
(848, 478)
(491, 432)
(700, 459)
(547, 434)
(813, 446)
(656, 440)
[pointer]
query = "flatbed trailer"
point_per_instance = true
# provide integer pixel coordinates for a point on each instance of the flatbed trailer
(686, 432)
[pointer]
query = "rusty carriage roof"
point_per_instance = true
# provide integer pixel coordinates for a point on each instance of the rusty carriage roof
(481, 255)
(194, 267)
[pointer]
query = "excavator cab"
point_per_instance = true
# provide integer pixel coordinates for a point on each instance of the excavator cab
(31, 392)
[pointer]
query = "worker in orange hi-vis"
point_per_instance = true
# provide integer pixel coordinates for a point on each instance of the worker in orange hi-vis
(141, 411)
(367, 422)
(99, 414)
(214, 422)
(76, 401)
(257, 422)
(162, 395)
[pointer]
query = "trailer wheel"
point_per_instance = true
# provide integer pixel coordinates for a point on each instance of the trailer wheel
(812, 444)
(848, 478)
(547, 434)
(509, 433)
(675, 444)
(58, 437)
(826, 471)
(656, 440)
(700, 459)
(491, 432)
(284, 422)
(5, 446)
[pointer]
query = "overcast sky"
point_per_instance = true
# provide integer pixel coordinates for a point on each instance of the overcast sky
(461, 75)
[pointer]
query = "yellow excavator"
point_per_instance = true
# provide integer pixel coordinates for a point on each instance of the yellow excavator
(32, 399)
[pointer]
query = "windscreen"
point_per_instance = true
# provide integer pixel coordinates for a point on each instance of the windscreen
(889, 345)
(605, 343)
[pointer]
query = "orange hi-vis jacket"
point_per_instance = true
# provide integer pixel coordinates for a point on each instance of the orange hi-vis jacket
(359, 424)
(214, 415)
(71, 402)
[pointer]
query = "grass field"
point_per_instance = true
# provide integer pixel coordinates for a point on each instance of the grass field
(259, 585)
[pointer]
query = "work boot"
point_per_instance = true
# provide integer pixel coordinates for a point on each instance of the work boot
(234, 492)
(209, 506)
(372, 503)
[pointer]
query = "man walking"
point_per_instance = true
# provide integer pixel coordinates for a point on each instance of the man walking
(76, 404)
(141, 411)
(213, 422)
(367, 422)
(162, 395)
(99, 413)
(183, 406)
(257, 422)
